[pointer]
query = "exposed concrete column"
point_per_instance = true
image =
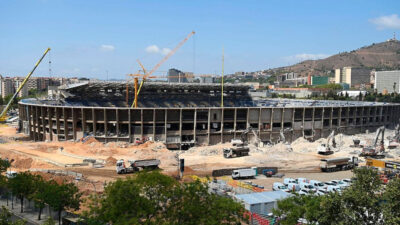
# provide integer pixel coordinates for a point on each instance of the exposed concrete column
(130, 126)
(105, 125)
(234, 123)
(222, 125)
(117, 122)
(209, 123)
(270, 123)
(282, 118)
(180, 129)
(323, 120)
(30, 125)
(141, 123)
(166, 123)
(65, 124)
(331, 117)
(73, 123)
(195, 125)
(94, 122)
(34, 123)
(43, 133)
(259, 123)
(58, 122)
(303, 120)
(50, 116)
(154, 124)
(83, 121)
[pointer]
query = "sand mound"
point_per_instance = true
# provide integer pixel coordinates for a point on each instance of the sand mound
(23, 163)
(90, 140)
(111, 161)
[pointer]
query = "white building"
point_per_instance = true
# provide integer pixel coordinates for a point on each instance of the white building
(387, 80)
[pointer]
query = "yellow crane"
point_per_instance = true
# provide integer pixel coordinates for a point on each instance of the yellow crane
(4, 112)
(146, 75)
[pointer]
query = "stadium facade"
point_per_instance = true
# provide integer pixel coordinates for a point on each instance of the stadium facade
(182, 115)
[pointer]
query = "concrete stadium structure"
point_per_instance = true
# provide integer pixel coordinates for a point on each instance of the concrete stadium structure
(182, 115)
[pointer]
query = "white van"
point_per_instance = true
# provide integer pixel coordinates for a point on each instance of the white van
(288, 181)
(277, 186)
(318, 185)
(302, 180)
(334, 189)
(293, 187)
(307, 186)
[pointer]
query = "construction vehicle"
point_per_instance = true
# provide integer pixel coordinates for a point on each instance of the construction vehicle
(376, 150)
(326, 149)
(243, 173)
(136, 165)
(337, 164)
(3, 115)
(356, 144)
(394, 141)
(240, 147)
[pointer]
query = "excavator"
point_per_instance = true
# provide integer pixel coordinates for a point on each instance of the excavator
(240, 147)
(326, 149)
(394, 141)
(376, 150)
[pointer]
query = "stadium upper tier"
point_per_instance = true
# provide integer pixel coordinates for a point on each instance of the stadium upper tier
(173, 95)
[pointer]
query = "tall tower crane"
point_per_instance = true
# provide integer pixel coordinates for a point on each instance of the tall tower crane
(146, 75)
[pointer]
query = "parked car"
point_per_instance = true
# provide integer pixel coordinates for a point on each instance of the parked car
(302, 180)
(288, 181)
(340, 183)
(307, 186)
(334, 189)
(321, 192)
(11, 174)
(318, 185)
(305, 192)
(277, 186)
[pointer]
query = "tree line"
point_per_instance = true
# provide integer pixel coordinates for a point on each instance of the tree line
(27, 186)
(147, 197)
(367, 201)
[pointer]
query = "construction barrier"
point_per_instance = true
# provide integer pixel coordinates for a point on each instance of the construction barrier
(256, 219)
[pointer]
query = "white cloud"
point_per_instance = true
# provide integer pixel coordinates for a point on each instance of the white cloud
(107, 48)
(157, 50)
(153, 49)
(165, 51)
(306, 56)
(391, 22)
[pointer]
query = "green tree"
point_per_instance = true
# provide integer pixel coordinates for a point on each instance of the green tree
(63, 196)
(42, 194)
(5, 218)
(154, 198)
(22, 186)
(391, 197)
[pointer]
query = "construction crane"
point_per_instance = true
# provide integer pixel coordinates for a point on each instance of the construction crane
(4, 112)
(146, 75)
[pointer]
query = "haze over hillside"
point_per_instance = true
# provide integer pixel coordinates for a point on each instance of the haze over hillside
(380, 56)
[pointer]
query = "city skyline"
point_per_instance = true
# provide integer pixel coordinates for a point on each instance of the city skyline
(90, 38)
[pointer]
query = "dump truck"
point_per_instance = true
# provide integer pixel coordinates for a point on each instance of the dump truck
(336, 164)
(243, 173)
(376, 150)
(136, 165)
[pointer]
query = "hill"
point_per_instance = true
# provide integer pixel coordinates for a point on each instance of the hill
(380, 56)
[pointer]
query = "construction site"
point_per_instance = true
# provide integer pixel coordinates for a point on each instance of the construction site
(92, 133)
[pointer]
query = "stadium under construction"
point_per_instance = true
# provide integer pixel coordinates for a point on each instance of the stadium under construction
(185, 114)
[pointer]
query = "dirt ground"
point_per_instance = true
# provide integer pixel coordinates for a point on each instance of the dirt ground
(300, 157)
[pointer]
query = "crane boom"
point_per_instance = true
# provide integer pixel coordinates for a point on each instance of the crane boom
(3, 113)
(161, 62)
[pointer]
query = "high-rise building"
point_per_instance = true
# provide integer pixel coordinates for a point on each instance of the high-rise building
(178, 76)
(7, 87)
(387, 81)
(354, 77)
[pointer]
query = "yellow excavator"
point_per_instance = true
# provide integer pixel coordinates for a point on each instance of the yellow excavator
(3, 115)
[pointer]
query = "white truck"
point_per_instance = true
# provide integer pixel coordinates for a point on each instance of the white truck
(277, 186)
(336, 164)
(243, 173)
(136, 165)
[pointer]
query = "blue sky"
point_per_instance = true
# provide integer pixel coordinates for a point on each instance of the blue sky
(89, 37)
